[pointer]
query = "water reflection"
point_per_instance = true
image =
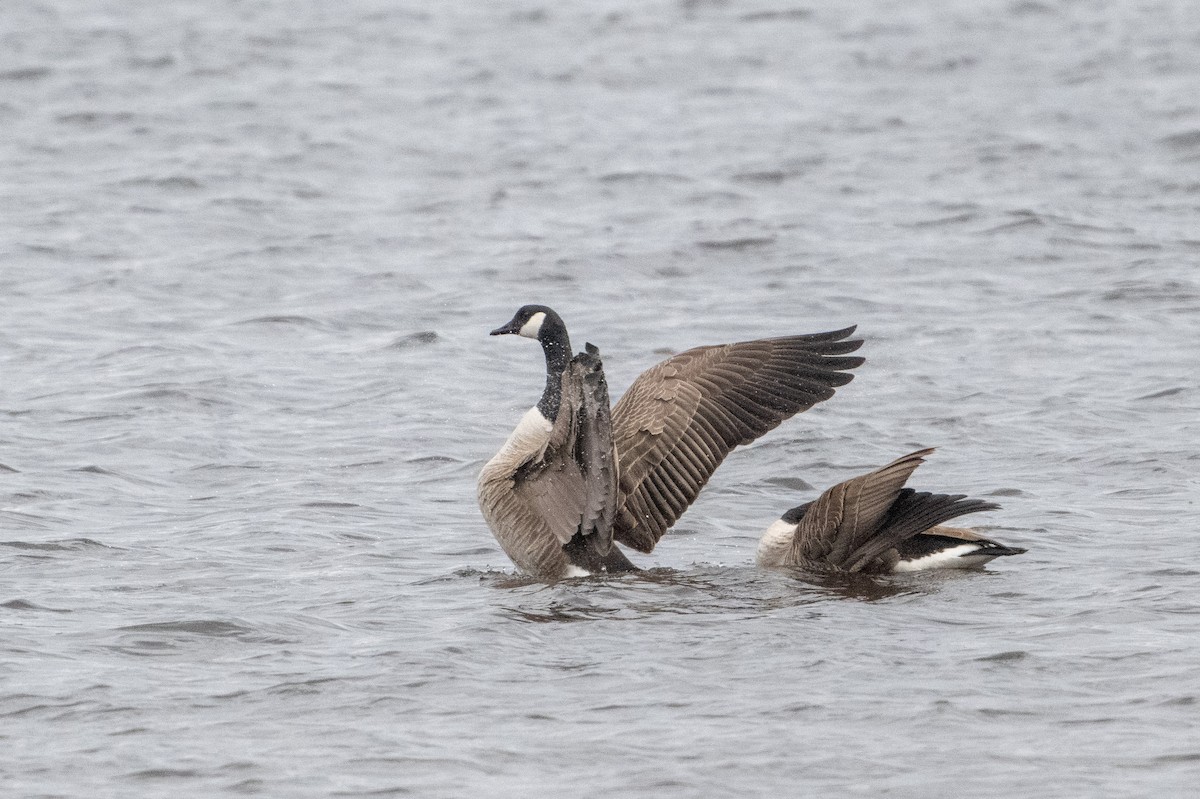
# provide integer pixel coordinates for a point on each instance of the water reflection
(702, 590)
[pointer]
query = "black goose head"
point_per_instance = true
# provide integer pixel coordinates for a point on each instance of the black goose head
(533, 321)
(542, 323)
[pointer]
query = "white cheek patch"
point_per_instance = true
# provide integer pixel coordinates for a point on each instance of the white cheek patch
(531, 328)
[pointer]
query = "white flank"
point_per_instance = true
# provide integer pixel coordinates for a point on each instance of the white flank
(533, 423)
(530, 437)
(958, 557)
(531, 328)
(775, 543)
(575, 571)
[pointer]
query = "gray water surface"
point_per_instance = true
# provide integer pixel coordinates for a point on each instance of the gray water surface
(249, 255)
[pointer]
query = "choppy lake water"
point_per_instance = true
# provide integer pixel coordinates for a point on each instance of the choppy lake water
(249, 255)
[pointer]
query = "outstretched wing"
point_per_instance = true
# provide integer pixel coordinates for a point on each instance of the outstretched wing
(680, 418)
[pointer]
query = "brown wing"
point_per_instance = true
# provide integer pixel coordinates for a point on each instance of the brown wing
(594, 450)
(913, 513)
(845, 517)
(681, 418)
(572, 487)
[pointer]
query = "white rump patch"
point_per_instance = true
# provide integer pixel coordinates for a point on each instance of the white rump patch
(775, 543)
(958, 557)
(534, 326)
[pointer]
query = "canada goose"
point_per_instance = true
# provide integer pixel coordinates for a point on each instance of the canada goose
(873, 524)
(574, 476)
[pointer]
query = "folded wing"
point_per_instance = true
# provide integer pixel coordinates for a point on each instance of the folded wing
(913, 513)
(847, 515)
(572, 487)
(856, 522)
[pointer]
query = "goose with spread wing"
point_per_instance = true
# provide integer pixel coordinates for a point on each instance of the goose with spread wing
(576, 477)
(874, 525)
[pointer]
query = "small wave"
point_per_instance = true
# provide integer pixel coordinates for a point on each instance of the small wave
(1145, 290)
(211, 628)
(152, 62)
(1003, 657)
(97, 417)
(1029, 8)
(741, 243)
(163, 774)
(780, 14)
(168, 183)
(421, 339)
(94, 119)
(302, 686)
(1187, 141)
(159, 638)
(714, 197)
(100, 470)
(1021, 220)
(762, 176)
(790, 483)
(943, 221)
(221, 467)
(123, 353)
(669, 272)
(1075, 241)
(26, 74)
(643, 176)
(1184, 757)
(1119, 229)
(167, 394)
(293, 320)
(65, 545)
(442, 764)
(436, 207)
(243, 203)
(1173, 572)
(439, 459)
(1166, 392)
(22, 604)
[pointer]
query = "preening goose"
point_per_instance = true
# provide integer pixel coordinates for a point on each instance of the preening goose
(574, 476)
(873, 524)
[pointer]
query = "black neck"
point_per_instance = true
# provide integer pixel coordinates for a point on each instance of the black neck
(794, 515)
(557, 346)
